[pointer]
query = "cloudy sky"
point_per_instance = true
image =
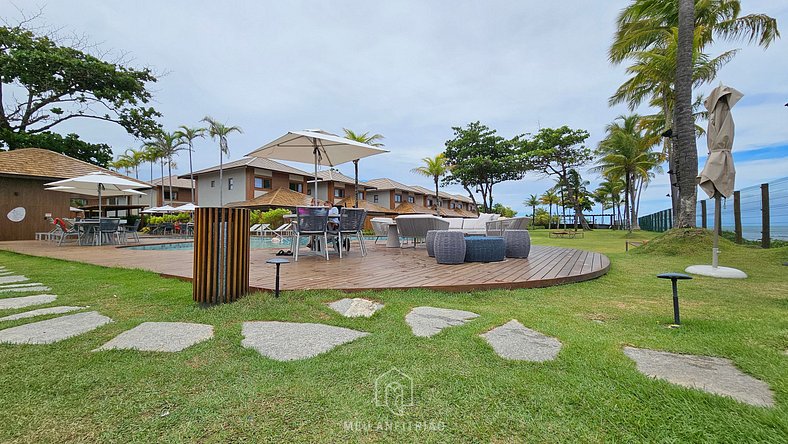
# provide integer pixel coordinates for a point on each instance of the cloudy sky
(409, 70)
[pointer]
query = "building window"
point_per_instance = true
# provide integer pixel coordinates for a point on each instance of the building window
(375, 198)
(167, 195)
(398, 198)
(230, 183)
(360, 195)
(262, 183)
(297, 186)
(213, 184)
(411, 199)
(339, 192)
(429, 202)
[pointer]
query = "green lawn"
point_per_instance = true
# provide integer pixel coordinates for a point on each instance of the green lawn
(218, 391)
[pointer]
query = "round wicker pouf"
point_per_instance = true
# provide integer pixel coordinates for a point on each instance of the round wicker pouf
(430, 241)
(484, 249)
(518, 243)
(449, 247)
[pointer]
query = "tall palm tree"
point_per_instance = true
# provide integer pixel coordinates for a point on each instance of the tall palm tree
(121, 163)
(188, 135)
(155, 154)
(373, 140)
(135, 158)
(168, 145)
(434, 167)
(609, 193)
(626, 151)
(532, 201)
(550, 198)
(578, 196)
(219, 131)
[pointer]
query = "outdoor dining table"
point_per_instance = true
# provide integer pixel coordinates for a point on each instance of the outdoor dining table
(88, 229)
(392, 240)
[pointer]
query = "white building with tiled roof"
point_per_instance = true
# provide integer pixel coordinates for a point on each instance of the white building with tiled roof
(389, 193)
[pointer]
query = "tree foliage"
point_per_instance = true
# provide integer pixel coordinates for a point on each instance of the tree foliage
(480, 158)
(71, 145)
(434, 168)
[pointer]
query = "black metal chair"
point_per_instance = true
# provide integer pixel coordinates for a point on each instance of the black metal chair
(108, 229)
(351, 223)
(133, 231)
(310, 221)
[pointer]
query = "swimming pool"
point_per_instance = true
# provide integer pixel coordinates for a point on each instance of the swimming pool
(256, 243)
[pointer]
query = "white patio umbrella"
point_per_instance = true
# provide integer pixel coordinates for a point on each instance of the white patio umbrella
(97, 184)
(187, 208)
(318, 147)
(161, 209)
(718, 175)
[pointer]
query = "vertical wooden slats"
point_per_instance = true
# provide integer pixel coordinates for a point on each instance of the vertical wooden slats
(221, 254)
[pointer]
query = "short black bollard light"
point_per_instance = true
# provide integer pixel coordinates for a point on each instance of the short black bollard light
(278, 261)
(673, 278)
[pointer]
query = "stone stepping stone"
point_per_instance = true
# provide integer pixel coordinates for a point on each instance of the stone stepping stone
(23, 289)
(710, 374)
(54, 330)
(356, 307)
(29, 284)
(517, 342)
(40, 311)
(429, 321)
(160, 337)
(11, 279)
(289, 341)
(26, 301)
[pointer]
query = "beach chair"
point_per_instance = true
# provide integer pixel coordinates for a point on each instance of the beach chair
(284, 230)
(64, 231)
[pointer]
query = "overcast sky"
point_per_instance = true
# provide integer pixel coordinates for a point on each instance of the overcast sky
(409, 70)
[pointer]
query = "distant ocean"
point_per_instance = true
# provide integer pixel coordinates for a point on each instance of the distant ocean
(754, 232)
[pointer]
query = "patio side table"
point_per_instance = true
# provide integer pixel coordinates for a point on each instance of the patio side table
(518, 243)
(449, 247)
(430, 241)
(392, 240)
(484, 249)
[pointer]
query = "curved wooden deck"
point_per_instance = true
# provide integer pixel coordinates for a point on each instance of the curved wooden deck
(384, 268)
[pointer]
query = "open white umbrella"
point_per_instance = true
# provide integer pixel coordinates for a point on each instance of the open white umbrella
(186, 208)
(718, 176)
(318, 147)
(97, 184)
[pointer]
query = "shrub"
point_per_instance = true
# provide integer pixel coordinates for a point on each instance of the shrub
(274, 218)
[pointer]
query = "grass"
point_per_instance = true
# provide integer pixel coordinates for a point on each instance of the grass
(218, 391)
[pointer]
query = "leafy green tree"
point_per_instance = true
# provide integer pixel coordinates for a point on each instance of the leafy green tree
(219, 131)
(549, 198)
(479, 159)
(49, 84)
(532, 201)
(503, 210)
(187, 135)
(434, 168)
(71, 145)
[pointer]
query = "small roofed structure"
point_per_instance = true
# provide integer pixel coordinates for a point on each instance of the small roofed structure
(277, 198)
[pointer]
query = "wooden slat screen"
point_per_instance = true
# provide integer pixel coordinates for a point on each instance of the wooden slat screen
(221, 254)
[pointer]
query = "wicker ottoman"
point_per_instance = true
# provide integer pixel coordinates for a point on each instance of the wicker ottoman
(484, 249)
(518, 243)
(449, 247)
(430, 241)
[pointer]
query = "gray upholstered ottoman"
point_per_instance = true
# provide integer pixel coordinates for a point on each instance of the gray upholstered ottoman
(430, 241)
(484, 249)
(449, 247)
(518, 243)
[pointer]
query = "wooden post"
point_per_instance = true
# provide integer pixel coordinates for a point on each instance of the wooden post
(221, 254)
(703, 223)
(737, 216)
(766, 240)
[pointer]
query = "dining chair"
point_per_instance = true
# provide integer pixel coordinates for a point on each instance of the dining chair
(311, 221)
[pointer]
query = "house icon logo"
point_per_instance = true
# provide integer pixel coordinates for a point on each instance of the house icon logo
(394, 390)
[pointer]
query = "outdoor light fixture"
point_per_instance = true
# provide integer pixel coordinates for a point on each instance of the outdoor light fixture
(673, 278)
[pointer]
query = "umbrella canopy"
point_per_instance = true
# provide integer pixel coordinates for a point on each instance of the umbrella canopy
(187, 208)
(316, 146)
(718, 175)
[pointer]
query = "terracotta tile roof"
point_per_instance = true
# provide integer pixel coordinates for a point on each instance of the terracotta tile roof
(336, 176)
(369, 206)
(255, 162)
(176, 182)
(462, 198)
(278, 198)
(409, 208)
(388, 184)
(46, 164)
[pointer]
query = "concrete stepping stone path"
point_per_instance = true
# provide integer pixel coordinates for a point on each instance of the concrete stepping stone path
(517, 342)
(18, 285)
(355, 307)
(26, 301)
(40, 312)
(11, 279)
(710, 374)
(39, 287)
(289, 341)
(429, 321)
(54, 330)
(160, 337)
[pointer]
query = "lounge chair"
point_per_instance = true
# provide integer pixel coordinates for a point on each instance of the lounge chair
(259, 229)
(498, 227)
(65, 231)
(286, 229)
(416, 226)
(380, 225)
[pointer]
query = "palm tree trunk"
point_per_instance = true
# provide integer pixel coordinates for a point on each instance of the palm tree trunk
(687, 154)
(169, 176)
(162, 180)
(437, 192)
(627, 221)
(669, 151)
(191, 171)
(632, 212)
(221, 184)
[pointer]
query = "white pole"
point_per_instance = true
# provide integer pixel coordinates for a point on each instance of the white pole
(315, 151)
(98, 186)
(715, 251)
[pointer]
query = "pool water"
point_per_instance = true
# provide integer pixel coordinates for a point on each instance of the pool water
(256, 243)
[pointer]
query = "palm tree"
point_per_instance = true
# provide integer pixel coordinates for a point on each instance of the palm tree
(578, 196)
(550, 198)
(135, 158)
(219, 131)
(532, 201)
(610, 190)
(434, 167)
(626, 152)
(121, 163)
(373, 140)
(188, 135)
(167, 145)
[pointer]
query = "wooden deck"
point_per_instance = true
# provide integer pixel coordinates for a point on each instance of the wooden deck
(383, 268)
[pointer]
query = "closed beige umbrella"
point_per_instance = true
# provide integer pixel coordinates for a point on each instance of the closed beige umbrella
(719, 175)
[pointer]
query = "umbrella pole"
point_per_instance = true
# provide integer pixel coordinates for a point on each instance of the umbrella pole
(314, 143)
(715, 251)
(98, 186)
